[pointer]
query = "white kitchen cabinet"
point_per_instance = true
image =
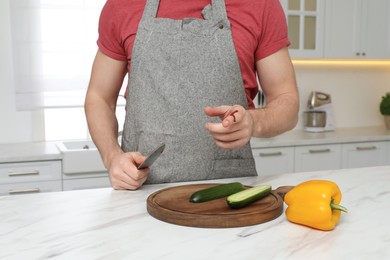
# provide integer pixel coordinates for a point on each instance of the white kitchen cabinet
(30, 187)
(270, 161)
(317, 157)
(30, 177)
(305, 20)
(357, 29)
(388, 154)
(365, 154)
(298, 158)
(78, 181)
(86, 183)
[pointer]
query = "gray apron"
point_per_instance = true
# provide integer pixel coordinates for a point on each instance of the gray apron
(178, 67)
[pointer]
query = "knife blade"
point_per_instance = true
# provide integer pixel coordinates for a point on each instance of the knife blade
(152, 157)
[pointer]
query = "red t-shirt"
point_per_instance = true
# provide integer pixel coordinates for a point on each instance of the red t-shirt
(258, 27)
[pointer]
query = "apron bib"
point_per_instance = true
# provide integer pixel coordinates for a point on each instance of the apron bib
(178, 67)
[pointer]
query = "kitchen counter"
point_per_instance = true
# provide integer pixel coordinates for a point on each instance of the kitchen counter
(109, 224)
(340, 135)
(27, 152)
(41, 151)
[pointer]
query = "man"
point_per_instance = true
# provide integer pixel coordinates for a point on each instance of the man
(192, 76)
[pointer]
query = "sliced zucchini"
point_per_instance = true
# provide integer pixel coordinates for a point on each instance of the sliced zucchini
(216, 192)
(245, 197)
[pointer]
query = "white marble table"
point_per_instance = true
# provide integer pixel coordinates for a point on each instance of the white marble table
(109, 224)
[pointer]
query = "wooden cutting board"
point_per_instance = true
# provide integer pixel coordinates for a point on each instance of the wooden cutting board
(172, 205)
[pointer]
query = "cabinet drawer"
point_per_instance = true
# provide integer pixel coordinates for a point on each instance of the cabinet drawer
(69, 176)
(364, 154)
(388, 154)
(30, 187)
(317, 157)
(271, 161)
(86, 183)
(30, 172)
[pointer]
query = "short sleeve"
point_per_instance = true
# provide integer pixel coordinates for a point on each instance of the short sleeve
(274, 32)
(109, 41)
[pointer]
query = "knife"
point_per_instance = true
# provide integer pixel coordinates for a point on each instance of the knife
(152, 157)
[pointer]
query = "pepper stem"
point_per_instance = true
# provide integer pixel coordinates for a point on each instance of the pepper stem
(337, 206)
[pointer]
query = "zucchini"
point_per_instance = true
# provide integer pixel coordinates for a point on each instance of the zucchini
(245, 197)
(216, 192)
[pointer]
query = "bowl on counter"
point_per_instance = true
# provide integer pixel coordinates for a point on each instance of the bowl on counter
(314, 118)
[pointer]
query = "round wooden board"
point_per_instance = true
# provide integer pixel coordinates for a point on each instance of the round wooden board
(172, 205)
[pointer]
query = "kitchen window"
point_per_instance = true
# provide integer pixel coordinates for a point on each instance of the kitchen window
(65, 123)
(54, 43)
(70, 123)
(53, 47)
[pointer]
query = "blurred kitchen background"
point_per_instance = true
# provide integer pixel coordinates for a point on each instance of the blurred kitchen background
(339, 47)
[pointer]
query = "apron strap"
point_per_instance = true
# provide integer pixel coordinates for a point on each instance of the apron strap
(150, 13)
(219, 10)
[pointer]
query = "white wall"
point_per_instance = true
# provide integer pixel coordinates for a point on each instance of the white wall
(355, 89)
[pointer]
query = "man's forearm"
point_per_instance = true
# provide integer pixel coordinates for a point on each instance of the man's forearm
(279, 116)
(103, 128)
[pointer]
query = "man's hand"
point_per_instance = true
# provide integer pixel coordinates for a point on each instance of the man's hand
(123, 171)
(236, 127)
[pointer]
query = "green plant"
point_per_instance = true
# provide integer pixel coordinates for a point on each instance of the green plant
(384, 106)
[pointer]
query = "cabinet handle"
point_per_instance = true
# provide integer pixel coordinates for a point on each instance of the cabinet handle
(365, 148)
(327, 150)
(358, 54)
(26, 173)
(33, 190)
(270, 154)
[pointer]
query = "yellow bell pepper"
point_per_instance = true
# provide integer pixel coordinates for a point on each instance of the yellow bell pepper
(314, 204)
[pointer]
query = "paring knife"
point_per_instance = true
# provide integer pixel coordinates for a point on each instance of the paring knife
(152, 157)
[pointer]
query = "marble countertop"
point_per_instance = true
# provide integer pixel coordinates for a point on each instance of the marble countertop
(110, 224)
